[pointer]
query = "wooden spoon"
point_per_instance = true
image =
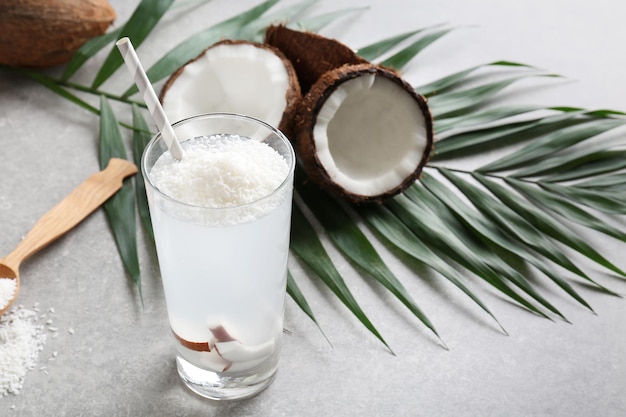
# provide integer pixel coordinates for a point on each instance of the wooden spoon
(79, 204)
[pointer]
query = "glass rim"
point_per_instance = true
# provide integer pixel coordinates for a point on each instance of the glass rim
(215, 115)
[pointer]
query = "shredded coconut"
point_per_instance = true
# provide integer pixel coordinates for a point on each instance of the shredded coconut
(7, 290)
(220, 171)
(21, 340)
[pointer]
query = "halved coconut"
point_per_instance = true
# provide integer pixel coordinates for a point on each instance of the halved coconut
(363, 133)
(236, 77)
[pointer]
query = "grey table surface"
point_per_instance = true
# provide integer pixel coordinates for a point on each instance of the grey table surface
(112, 356)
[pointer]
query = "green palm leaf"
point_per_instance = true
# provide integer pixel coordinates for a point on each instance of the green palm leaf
(455, 103)
(494, 261)
(137, 28)
(565, 208)
(609, 181)
(294, 292)
(547, 224)
(475, 138)
(588, 165)
(582, 163)
(456, 79)
(119, 209)
(561, 139)
(605, 201)
(480, 118)
(307, 246)
(424, 221)
(400, 236)
(376, 49)
(401, 58)
(516, 225)
(353, 243)
(88, 50)
(495, 236)
(141, 137)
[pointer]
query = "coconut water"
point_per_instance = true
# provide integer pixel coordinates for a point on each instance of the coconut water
(221, 222)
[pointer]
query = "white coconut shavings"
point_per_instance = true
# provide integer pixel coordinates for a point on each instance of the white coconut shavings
(8, 287)
(221, 173)
(21, 340)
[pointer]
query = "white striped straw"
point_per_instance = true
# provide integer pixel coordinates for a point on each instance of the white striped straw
(150, 97)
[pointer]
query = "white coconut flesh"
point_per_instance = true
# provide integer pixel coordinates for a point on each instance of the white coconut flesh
(370, 135)
(235, 78)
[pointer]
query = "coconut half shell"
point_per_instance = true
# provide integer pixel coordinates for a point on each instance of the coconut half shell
(311, 54)
(363, 133)
(236, 77)
(45, 33)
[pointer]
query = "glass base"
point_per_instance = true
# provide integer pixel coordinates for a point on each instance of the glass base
(226, 385)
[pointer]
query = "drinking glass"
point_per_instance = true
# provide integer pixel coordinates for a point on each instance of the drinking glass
(224, 269)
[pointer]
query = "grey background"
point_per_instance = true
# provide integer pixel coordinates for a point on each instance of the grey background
(118, 360)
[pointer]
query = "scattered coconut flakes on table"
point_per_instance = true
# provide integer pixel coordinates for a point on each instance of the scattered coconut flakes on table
(21, 340)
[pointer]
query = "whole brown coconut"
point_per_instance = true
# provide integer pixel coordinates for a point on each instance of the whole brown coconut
(45, 33)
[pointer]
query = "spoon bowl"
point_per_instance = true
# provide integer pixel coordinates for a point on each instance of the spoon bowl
(8, 272)
(70, 211)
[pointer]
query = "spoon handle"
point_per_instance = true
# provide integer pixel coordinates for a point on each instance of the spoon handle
(79, 204)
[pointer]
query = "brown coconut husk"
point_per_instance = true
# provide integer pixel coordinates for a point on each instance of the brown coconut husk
(292, 95)
(46, 33)
(309, 108)
(311, 54)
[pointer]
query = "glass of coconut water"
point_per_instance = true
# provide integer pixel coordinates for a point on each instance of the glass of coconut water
(221, 219)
